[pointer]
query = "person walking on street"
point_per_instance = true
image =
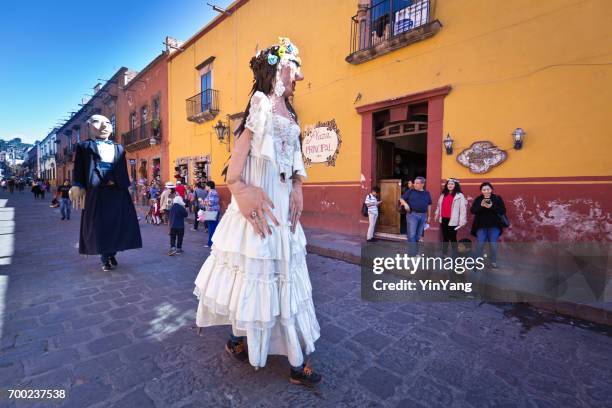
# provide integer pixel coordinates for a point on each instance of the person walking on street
(212, 205)
(372, 202)
(180, 189)
(35, 190)
(451, 213)
(154, 191)
(417, 203)
(177, 216)
(165, 200)
(42, 187)
(489, 220)
(199, 196)
(64, 199)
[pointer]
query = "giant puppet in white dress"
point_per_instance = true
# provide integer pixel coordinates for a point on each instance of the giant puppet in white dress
(261, 285)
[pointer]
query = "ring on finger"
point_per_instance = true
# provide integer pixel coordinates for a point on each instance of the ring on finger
(254, 215)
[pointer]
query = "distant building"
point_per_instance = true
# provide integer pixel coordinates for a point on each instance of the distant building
(142, 120)
(30, 164)
(47, 168)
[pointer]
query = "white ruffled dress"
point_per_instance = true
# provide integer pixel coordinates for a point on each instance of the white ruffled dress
(261, 286)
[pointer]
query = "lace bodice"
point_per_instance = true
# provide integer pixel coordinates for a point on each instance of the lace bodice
(275, 137)
(286, 135)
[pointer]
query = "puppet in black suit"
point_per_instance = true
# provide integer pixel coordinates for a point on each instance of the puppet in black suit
(108, 223)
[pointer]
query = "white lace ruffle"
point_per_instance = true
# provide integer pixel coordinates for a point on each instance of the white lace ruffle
(255, 296)
(257, 121)
(235, 234)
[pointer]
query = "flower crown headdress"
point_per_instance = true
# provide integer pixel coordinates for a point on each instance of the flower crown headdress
(284, 52)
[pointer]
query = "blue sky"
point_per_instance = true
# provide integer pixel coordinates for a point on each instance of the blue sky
(53, 52)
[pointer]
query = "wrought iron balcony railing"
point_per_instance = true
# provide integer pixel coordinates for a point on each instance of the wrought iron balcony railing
(203, 106)
(378, 25)
(142, 136)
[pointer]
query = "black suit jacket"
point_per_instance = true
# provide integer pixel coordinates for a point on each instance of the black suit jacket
(87, 156)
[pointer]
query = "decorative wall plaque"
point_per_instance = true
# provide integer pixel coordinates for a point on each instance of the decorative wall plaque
(481, 157)
(321, 143)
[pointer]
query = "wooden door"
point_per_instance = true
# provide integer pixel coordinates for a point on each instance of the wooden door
(385, 151)
(388, 216)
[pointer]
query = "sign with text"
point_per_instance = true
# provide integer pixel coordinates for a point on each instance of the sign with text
(321, 143)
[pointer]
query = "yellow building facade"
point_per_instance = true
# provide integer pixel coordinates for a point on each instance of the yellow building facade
(396, 79)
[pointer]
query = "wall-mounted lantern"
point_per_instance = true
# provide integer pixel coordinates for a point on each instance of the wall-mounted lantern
(448, 144)
(517, 137)
(222, 129)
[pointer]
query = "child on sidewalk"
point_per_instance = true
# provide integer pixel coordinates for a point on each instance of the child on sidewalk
(176, 218)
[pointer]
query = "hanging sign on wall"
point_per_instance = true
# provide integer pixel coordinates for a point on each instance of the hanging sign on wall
(480, 157)
(321, 143)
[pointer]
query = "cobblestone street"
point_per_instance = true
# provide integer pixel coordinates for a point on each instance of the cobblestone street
(127, 338)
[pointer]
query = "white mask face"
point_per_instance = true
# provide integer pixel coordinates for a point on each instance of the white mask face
(101, 127)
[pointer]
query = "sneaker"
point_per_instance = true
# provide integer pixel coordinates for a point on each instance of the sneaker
(106, 267)
(306, 376)
(172, 251)
(113, 261)
(179, 251)
(237, 350)
(193, 229)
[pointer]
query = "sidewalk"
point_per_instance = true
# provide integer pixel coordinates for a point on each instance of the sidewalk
(348, 248)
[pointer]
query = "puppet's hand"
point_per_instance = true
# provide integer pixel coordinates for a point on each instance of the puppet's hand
(77, 196)
(296, 204)
(254, 204)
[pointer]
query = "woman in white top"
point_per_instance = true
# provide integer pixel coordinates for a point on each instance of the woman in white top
(256, 278)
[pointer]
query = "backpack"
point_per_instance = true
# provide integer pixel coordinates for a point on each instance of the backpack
(364, 209)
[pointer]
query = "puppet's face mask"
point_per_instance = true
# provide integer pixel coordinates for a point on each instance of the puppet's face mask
(101, 127)
(290, 73)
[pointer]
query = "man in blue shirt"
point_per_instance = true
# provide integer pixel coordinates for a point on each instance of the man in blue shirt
(417, 203)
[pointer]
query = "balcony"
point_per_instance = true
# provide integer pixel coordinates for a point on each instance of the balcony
(203, 106)
(67, 156)
(388, 25)
(143, 136)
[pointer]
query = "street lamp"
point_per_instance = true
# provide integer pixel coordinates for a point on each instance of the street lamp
(517, 136)
(222, 129)
(448, 144)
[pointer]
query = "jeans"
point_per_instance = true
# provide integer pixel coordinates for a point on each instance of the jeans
(491, 235)
(176, 237)
(65, 207)
(211, 230)
(416, 226)
(372, 218)
(106, 257)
